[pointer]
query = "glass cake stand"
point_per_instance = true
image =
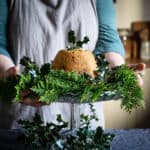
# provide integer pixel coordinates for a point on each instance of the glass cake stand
(74, 102)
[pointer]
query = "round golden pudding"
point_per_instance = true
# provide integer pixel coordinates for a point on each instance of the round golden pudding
(81, 61)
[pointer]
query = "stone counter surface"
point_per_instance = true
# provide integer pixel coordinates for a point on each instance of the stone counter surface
(132, 139)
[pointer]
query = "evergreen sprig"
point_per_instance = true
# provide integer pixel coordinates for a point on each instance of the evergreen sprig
(49, 85)
(86, 138)
(125, 82)
(40, 136)
(7, 90)
(73, 43)
(51, 136)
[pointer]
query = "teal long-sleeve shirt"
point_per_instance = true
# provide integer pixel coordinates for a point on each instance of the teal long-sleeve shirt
(108, 38)
(3, 27)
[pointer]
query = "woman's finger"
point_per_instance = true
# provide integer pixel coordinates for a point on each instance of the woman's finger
(31, 102)
(139, 71)
(27, 100)
(140, 80)
(13, 71)
(137, 67)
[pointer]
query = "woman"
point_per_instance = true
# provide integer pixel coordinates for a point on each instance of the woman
(38, 29)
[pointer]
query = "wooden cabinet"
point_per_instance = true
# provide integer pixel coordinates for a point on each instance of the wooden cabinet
(132, 38)
(137, 28)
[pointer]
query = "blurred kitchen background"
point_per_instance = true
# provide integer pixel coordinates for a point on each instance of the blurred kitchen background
(133, 23)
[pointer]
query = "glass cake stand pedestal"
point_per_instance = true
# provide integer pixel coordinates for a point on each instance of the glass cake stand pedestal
(74, 116)
(75, 110)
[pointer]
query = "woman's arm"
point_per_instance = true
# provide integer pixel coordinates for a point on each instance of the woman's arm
(6, 64)
(5, 59)
(108, 42)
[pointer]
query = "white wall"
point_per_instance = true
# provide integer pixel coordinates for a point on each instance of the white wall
(128, 11)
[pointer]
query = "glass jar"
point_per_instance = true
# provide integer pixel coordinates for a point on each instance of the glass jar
(145, 50)
(126, 38)
(145, 44)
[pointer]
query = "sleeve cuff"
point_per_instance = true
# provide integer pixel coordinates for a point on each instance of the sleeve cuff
(109, 41)
(106, 49)
(4, 52)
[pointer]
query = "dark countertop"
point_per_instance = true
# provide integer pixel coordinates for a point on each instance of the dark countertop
(133, 139)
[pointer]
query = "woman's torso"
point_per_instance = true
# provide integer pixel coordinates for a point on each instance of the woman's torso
(38, 28)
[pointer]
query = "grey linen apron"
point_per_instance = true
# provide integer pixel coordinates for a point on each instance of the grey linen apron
(38, 29)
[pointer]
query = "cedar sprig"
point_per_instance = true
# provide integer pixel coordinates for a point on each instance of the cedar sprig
(49, 85)
(124, 80)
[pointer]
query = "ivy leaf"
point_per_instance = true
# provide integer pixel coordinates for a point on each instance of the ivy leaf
(79, 44)
(71, 37)
(86, 39)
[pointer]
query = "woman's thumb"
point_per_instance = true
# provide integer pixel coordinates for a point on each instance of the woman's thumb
(13, 71)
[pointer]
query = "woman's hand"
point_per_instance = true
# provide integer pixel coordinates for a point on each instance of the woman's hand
(7, 67)
(31, 102)
(34, 101)
(116, 59)
(139, 70)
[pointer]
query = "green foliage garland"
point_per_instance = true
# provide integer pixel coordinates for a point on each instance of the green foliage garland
(49, 85)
